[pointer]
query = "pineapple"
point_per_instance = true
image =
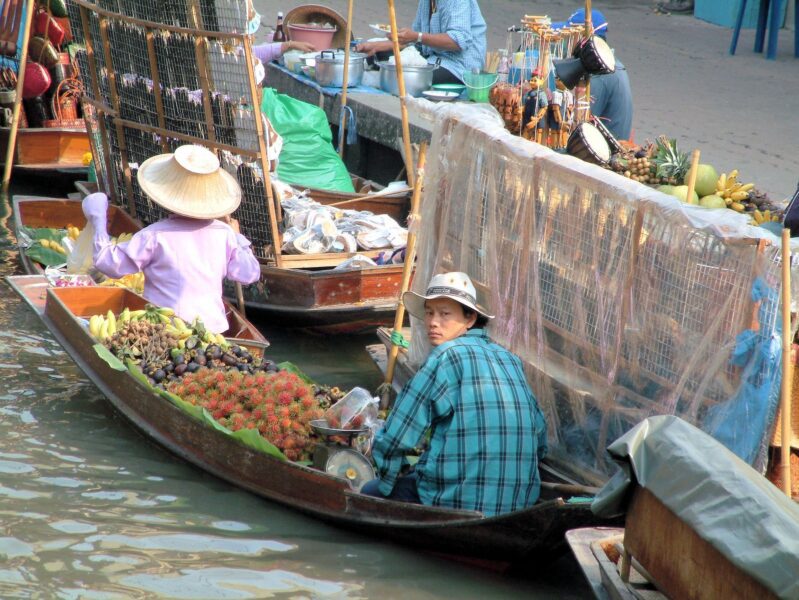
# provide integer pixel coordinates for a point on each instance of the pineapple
(672, 165)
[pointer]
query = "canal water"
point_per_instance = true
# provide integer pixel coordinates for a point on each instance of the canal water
(90, 509)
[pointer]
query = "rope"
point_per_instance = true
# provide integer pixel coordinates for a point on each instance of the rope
(399, 340)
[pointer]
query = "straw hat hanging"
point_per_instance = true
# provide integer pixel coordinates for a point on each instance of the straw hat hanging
(316, 13)
(190, 183)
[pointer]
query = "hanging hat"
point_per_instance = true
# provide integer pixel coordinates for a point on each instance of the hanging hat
(190, 183)
(455, 285)
(316, 13)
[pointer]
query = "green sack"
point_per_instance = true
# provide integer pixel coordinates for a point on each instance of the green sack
(308, 158)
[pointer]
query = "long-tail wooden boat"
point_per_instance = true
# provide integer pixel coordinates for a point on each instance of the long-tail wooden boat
(323, 299)
(532, 534)
(47, 149)
(54, 213)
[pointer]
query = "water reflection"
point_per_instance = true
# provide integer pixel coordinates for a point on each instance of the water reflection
(90, 509)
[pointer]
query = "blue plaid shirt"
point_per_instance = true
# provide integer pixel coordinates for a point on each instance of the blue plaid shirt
(464, 23)
(487, 431)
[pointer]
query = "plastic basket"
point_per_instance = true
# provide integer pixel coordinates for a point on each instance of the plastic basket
(479, 85)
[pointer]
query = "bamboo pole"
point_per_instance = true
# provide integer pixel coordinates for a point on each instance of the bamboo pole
(12, 135)
(589, 31)
(787, 367)
(342, 133)
(692, 176)
(406, 128)
(407, 269)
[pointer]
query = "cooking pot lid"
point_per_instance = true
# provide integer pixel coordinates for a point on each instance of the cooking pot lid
(337, 56)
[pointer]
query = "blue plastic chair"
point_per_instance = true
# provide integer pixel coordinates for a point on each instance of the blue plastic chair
(762, 22)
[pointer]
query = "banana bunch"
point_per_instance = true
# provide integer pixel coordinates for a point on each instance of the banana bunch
(104, 326)
(733, 192)
(122, 237)
(52, 245)
(202, 336)
(759, 217)
(72, 232)
(133, 282)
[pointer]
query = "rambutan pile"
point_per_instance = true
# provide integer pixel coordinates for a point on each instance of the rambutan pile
(279, 405)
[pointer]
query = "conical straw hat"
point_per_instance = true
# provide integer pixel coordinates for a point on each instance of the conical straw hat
(190, 183)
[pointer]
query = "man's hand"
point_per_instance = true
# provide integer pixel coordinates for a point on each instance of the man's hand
(370, 48)
(407, 36)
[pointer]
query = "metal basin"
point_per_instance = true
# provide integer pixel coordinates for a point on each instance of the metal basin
(330, 68)
(417, 79)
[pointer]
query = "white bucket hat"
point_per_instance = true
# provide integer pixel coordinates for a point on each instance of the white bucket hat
(455, 285)
(190, 183)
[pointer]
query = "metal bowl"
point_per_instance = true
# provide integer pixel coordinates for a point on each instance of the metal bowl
(440, 95)
(417, 79)
(321, 427)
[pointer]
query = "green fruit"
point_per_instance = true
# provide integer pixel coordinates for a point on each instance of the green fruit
(681, 192)
(712, 201)
(706, 178)
(666, 189)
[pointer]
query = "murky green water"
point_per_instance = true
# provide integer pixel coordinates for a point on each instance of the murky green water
(90, 509)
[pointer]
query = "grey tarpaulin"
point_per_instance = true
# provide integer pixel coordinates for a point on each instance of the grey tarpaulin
(727, 503)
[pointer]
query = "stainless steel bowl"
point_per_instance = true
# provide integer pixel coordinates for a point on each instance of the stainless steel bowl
(330, 68)
(417, 79)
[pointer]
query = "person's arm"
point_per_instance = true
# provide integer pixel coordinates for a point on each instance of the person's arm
(441, 41)
(114, 260)
(457, 23)
(270, 51)
(412, 415)
(242, 266)
(541, 430)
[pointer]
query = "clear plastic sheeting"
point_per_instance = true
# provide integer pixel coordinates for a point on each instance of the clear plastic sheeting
(729, 505)
(623, 302)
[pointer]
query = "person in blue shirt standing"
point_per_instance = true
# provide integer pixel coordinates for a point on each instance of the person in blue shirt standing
(451, 33)
(487, 433)
(611, 95)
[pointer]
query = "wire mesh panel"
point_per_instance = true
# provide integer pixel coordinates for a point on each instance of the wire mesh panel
(623, 303)
(161, 74)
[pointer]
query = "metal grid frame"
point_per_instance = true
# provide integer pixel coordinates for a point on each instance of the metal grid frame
(160, 74)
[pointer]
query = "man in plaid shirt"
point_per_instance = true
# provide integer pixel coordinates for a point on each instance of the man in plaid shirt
(487, 432)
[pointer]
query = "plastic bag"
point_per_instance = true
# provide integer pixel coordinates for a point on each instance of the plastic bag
(81, 258)
(308, 158)
(356, 410)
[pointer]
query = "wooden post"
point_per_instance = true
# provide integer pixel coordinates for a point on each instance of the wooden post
(589, 31)
(407, 269)
(342, 133)
(12, 135)
(259, 129)
(156, 78)
(101, 114)
(692, 176)
(406, 129)
(787, 366)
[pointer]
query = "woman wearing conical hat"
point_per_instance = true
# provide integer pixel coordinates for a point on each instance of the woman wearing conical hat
(186, 256)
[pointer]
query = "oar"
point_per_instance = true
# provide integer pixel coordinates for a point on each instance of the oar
(12, 135)
(239, 290)
(406, 128)
(384, 391)
(343, 120)
(787, 367)
(381, 194)
(691, 179)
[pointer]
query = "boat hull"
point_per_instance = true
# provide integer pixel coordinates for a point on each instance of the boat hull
(43, 149)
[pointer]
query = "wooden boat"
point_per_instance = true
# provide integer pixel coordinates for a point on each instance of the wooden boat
(304, 294)
(57, 214)
(536, 533)
(47, 149)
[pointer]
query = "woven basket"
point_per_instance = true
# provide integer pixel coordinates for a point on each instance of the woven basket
(64, 105)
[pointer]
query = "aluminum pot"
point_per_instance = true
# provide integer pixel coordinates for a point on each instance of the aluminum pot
(417, 79)
(330, 68)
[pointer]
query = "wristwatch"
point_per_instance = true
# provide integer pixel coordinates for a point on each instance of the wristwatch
(419, 38)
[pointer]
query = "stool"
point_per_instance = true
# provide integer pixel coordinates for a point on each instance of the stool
(762, 22)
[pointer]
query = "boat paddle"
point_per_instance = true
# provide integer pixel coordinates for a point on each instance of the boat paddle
(384, 391)
(787, 367)
(406, 128)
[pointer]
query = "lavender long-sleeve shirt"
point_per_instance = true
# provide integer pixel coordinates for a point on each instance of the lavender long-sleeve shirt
(184, 262)
(266, 53)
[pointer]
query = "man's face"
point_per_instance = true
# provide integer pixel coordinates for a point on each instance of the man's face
(444, 320)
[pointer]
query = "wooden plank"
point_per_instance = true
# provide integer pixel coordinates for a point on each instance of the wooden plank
(682, 564)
